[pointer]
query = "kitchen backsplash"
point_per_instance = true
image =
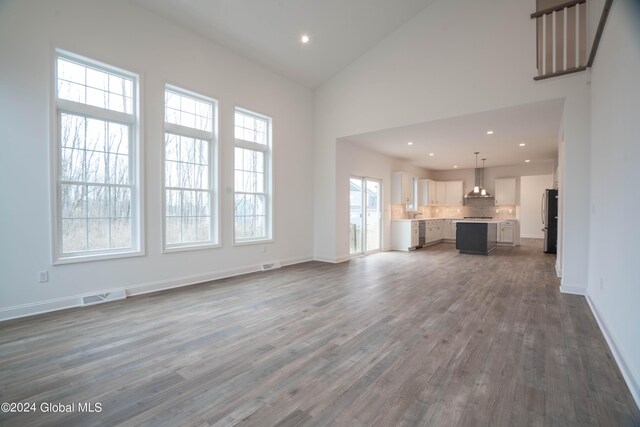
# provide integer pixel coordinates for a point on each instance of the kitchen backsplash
(472, 207)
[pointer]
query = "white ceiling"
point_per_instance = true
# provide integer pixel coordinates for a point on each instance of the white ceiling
(269, 31)
(454, 140)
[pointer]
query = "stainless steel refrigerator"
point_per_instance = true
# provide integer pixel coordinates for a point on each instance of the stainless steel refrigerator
(550, 220)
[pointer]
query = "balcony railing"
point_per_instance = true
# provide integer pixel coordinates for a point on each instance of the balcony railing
(561, 39)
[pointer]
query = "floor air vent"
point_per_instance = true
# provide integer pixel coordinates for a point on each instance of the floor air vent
(100, 298)
(270, 266)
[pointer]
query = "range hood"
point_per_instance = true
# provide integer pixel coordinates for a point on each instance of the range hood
(478, 191)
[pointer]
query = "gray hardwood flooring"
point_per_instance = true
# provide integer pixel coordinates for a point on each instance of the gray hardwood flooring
(422, 338)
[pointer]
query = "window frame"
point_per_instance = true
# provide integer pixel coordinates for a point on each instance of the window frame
(136, 167)
(267, 150)
(214, 170)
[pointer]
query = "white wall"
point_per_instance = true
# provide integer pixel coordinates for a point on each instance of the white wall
(531, 190)
(454, 58)
(614, 282)
(125, 35)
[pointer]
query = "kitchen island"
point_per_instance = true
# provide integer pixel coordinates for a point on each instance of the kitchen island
(477, 237)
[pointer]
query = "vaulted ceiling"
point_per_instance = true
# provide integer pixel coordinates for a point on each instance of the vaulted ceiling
(269, 31)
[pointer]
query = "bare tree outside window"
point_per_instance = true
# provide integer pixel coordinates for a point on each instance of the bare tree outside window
(190, 218)
(95, 178)
(251, 177)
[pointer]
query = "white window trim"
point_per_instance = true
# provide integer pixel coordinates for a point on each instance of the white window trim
(135, 155)
(214, 171)
(267, 149)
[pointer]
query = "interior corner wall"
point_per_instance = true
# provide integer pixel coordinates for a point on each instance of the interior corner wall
(124, 35)
(614, 283)
(575, 195)
(531, 190)
(443, 64)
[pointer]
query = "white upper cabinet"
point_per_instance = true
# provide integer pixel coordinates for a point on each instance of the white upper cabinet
(433, 187)
(454, 193)
(505, 191)
(423, 192)
(440, 193)
(403, 189)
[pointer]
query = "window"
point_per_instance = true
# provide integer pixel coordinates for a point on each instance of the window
(189, 181)
(97, 210)
(252, 177)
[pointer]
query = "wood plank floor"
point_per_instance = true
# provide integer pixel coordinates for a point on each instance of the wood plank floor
(422, 338)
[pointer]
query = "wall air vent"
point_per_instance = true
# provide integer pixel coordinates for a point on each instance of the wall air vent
(106, 297)
(270, 266)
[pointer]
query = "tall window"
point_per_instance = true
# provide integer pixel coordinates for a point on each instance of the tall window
(189, 179)
(252, 213)
(96, 193)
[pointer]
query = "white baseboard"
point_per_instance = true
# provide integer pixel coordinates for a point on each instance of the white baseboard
(47, 306)
(573, 290)
(558, 269)
(332, 260)
(630, 376)
(532, 236)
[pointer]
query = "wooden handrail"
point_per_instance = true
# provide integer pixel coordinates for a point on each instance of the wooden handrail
(560, 73)
(557, 8)
(599, 31)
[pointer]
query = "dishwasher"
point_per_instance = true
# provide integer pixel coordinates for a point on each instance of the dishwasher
(422, 239)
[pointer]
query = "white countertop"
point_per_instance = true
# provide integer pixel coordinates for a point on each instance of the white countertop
(484, 221)
(488, 221)
(427, 219)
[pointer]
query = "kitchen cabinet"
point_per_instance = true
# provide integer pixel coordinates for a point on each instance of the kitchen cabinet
(427, 192)
(505, 191)
(433, 187)
(405, 235)
(441, 193)
(454, 193)
(434, 231)
(438, 231)
(476, 238)
(404, 189)
(449, 230)
(506, 232)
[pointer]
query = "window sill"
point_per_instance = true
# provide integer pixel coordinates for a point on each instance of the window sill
(96, 257)
(186, 248)
(252, 242)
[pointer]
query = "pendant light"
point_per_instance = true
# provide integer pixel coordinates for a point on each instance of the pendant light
(476, 186)
(483, 192)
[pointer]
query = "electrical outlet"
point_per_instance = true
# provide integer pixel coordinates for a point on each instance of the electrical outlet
(601, 283)
(264, 248)
(43, 276)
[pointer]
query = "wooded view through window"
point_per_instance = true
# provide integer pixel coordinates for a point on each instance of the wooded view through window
(190, 212)
(95, 186)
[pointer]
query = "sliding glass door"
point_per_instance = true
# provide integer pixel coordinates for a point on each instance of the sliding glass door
(365, 215)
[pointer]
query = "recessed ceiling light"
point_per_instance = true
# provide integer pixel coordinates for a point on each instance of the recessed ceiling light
(409, 143)
(304, 39)
(431, 154)
(527, 161)
(489, 132)
(522, 144)
(455, 166)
